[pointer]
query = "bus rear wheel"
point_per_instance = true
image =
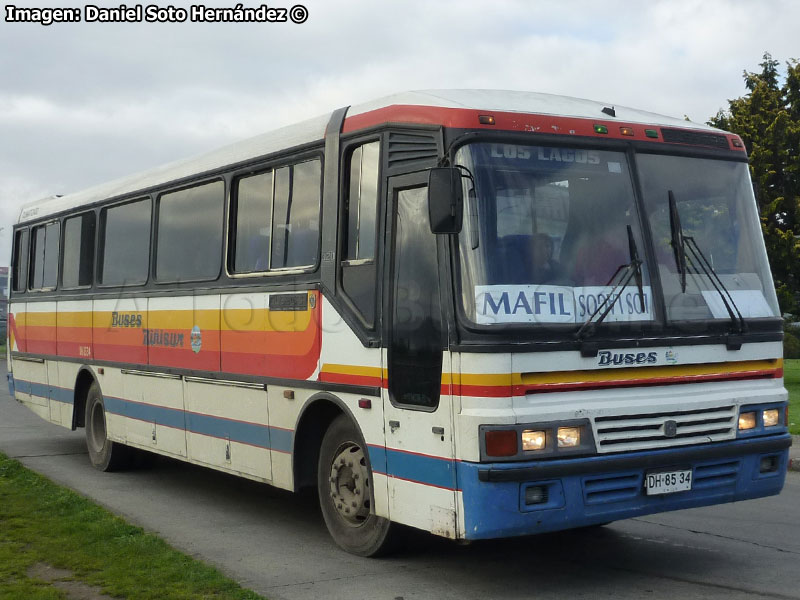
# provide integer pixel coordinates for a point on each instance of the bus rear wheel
(104, 454)
(344, 484)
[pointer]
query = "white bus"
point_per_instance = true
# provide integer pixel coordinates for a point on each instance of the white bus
(477, 313)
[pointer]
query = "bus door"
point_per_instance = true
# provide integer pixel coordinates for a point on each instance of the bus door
(417, 407)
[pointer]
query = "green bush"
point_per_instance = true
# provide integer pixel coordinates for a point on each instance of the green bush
(791, 345)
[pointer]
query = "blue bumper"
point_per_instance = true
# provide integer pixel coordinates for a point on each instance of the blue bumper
(599, 489)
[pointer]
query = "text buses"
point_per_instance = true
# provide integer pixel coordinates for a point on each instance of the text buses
(478, 313)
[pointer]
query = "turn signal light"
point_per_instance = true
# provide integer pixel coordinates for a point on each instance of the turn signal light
(626, 130)
(501, 442)
(486, 119)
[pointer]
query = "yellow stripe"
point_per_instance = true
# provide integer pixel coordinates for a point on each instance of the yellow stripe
(634, 373)
(75, 319)
(353, 370)
(43, 319)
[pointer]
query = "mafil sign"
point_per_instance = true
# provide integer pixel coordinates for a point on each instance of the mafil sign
(559, 304)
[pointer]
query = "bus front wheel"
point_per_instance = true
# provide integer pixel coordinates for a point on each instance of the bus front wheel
(104, 454)
(344, 483)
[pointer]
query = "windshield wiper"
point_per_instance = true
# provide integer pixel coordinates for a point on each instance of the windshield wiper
(623, 275)
(681, 244)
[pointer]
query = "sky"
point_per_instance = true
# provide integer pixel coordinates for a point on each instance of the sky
(83, 103)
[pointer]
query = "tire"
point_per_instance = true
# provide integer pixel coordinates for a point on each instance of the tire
(344, 484)
(104, 454)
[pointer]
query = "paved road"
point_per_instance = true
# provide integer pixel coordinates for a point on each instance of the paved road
(275, 543)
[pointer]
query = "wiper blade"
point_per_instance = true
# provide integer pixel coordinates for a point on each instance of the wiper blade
(708, 271)
(634, 253)
(623, 275)
(680, 244)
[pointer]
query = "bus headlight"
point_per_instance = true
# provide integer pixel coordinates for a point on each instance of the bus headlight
(569, 437)
(533, 440)
(747, 420)
(771, 417)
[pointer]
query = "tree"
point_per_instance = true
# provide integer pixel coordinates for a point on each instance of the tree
(768, 120)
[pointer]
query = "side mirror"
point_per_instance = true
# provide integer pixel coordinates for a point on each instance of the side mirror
(445, 200)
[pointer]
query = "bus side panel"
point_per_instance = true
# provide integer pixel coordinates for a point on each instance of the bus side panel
(152, 412)
(272, 335)
(74, 329)
(119, 327)
(40, 329)
(227, 427)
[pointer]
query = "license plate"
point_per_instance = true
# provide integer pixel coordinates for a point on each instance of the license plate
(668, 482)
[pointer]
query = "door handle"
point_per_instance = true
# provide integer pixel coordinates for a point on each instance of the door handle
(394, 425)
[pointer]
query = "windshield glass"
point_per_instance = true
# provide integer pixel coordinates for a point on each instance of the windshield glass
(716, 208)
(545, 235)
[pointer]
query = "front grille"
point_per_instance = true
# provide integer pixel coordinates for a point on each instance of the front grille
(665, 429)
(602, 489)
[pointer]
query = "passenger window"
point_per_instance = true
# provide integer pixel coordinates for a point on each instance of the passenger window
(276, 216)
(358, 263)
(44, 268)
(295, 226)
(19, 272)
(126, 243)
(78, 262)
(189, 234)
(252, 208)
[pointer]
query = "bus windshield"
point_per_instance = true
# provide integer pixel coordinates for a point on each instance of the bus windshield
(545, 235)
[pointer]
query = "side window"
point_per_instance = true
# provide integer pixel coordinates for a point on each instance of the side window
(44, 255)
(125, 243)
(361, 193)
(19, 270)
(189, 234)
(295, 225)
(276, 219)
(78, 262)
(252, 215)
(362, 202)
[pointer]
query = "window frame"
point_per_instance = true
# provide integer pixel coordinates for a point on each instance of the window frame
(31, 249)
(100, 250)
(62, 254)
(233, 199)
(155, 218)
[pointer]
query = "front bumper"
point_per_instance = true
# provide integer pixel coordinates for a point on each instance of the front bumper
(599, 489)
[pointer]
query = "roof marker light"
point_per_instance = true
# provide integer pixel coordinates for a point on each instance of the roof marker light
(486, 119)
(651, 133)
(737, 143)
(626, 130)
(600, 128)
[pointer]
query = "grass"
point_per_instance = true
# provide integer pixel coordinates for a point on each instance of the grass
(791, 379)
(41, 522)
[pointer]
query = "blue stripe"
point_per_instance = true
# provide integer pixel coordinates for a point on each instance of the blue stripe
(429, 470)
(10, 380)
(171, 417)
(236, 431)
(282, 439)
(41, 390)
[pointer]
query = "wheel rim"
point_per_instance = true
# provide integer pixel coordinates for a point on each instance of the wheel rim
(349, 484)
(98, 421)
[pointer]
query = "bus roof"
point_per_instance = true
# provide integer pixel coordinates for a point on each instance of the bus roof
(387, 109)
